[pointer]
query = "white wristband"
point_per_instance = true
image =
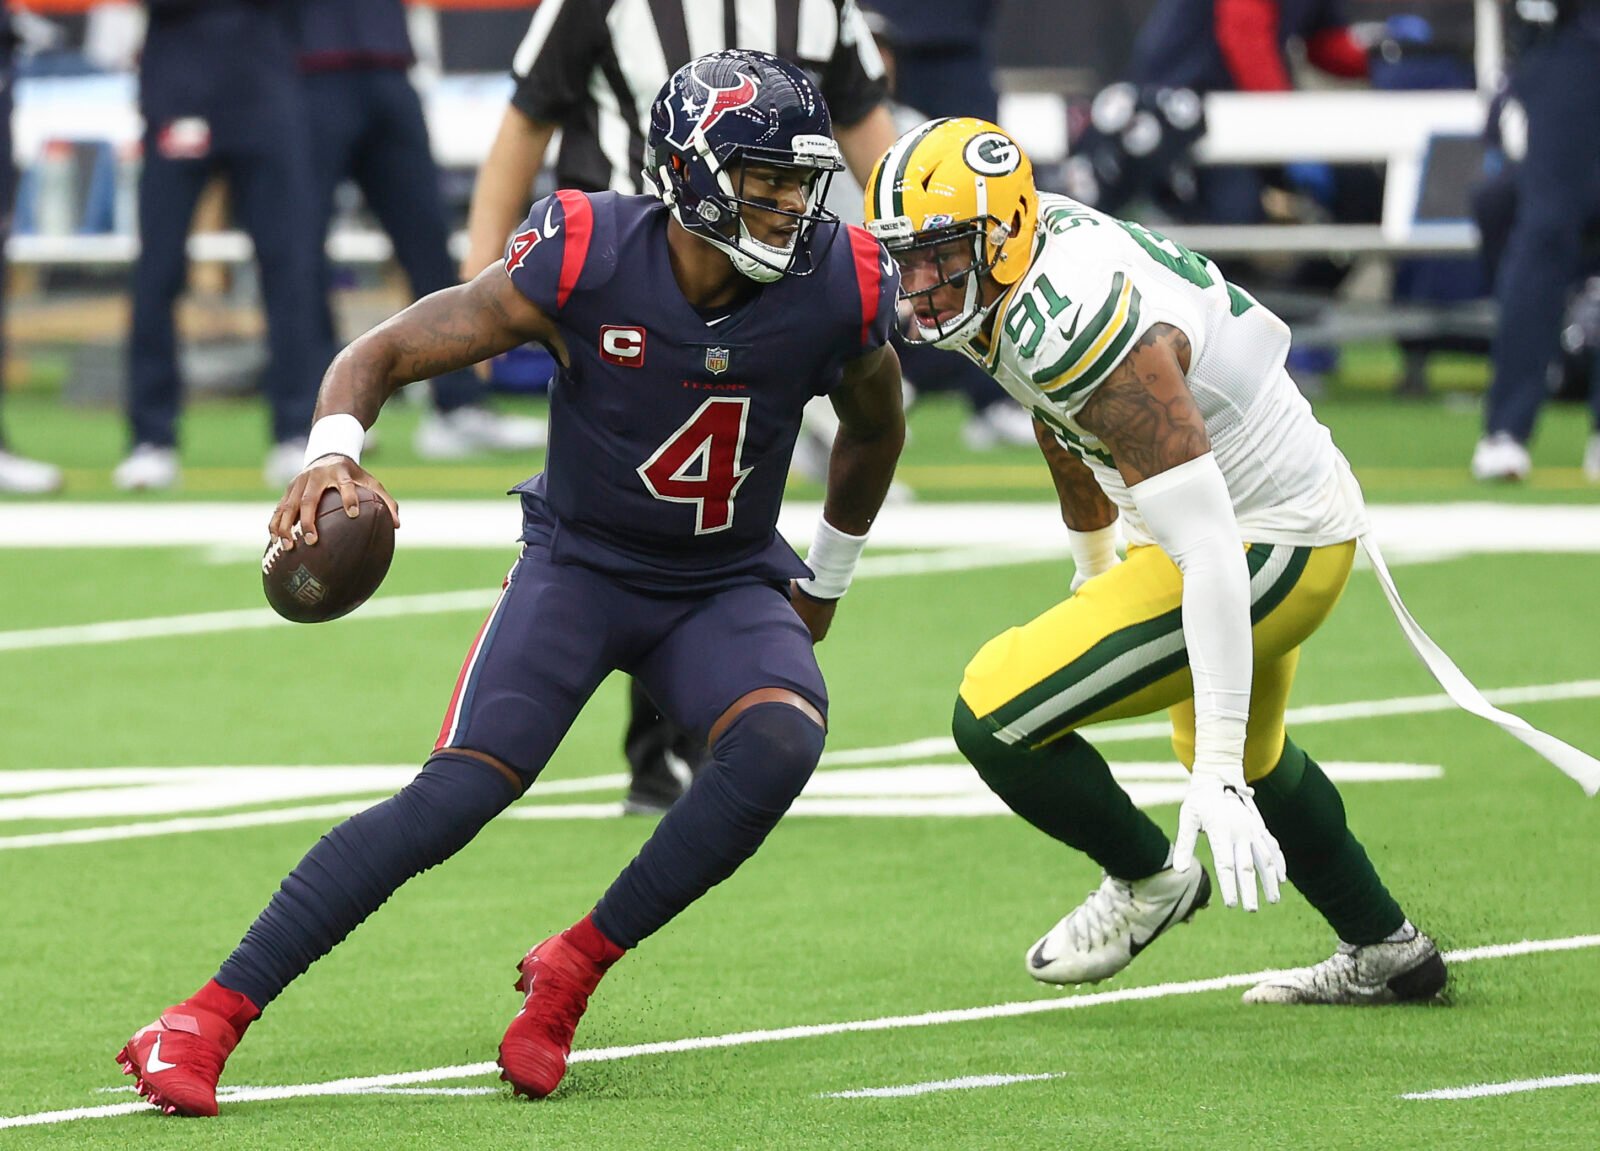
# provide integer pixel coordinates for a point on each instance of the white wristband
(1092, 552)
(832, 558)
(340, 434)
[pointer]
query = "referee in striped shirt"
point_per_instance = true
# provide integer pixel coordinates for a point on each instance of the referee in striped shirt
(592, 68)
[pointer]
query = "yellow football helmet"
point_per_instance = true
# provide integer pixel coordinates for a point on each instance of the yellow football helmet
(959, 193)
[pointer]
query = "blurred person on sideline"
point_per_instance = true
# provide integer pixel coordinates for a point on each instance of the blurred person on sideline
(572, 73)
(938, 60)
(18, 474)
(367, 126)
(1242, 46)
(1557, 81)
(220, 93)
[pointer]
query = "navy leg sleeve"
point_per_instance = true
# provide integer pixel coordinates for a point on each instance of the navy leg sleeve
(355, 867)
(758, 767)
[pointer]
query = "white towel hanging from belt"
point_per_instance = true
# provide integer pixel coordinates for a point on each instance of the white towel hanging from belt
(1579, 765)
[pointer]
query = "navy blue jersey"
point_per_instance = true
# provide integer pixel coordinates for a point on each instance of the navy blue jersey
(670, 434)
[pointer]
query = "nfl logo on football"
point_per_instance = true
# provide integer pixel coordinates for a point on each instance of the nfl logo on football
(716, 360)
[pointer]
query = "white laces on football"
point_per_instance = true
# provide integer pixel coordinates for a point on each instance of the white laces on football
(1101, 917)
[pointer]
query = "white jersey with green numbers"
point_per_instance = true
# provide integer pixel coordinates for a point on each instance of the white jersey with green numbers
(1095, 286)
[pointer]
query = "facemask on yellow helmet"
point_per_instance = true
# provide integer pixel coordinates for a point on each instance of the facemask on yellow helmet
(954, 202)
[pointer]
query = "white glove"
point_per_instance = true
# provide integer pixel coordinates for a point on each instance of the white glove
(1241, 846)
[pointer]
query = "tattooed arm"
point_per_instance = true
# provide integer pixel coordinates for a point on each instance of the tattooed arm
(1084, 506)
(451, 329)
(1144, 413)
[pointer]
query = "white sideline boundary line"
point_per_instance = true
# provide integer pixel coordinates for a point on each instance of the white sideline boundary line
(1512, 1087)
(370, 1084)
(965, 1083)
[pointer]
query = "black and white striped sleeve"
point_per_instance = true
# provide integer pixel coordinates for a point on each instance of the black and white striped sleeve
(553, 64)
(853, 84)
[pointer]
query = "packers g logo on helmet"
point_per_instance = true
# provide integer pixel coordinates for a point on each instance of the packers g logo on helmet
(992, 154)
(946, 186)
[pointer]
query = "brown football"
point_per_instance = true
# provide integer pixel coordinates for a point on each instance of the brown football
(317, 582)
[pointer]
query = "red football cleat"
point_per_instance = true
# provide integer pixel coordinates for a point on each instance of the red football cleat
(177, 1060)
(557, 979)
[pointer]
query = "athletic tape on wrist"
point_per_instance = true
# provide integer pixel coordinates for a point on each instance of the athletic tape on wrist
(340, 434)
(832, 559)
(1095, 551)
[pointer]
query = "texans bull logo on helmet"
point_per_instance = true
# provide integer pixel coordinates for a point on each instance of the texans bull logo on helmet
(718, 103)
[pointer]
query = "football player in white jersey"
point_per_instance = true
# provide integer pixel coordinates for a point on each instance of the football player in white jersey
(1161, 402)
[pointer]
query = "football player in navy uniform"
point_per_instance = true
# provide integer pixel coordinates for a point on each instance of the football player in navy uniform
(690, 327)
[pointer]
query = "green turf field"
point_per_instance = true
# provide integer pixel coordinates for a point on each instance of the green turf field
(878, 949)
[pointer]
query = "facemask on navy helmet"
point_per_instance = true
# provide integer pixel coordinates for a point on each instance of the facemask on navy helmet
(741, 130)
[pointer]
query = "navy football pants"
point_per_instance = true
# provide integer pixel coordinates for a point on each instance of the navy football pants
(1558, 82)
(556, 631)
(269, 183)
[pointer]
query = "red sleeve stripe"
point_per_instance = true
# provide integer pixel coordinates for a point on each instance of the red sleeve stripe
(579, 218)
(869, 276)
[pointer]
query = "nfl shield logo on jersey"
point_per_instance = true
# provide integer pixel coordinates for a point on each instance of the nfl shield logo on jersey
(716, 360)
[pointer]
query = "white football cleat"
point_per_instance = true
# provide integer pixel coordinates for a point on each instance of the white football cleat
(1500, 457)
(24, 477)
(1591, 459)
(1002, 424)
(1105, 932)
(1407, 970)
(147, 468)
(472, 429)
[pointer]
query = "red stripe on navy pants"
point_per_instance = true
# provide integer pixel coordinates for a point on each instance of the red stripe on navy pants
(580, 225)
(869, 275)
(452, 711)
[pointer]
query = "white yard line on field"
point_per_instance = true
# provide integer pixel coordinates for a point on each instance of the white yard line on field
(967, 536)
(437, 603)
(370, 1084)
(1300, 716)
(965, 1083)
(1513, 1087)
(179, 794)
(1427, 531)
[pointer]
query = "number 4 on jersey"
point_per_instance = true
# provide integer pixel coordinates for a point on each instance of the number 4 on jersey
(700, 463)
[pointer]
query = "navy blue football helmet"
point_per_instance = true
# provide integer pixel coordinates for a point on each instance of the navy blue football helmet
(720, 113)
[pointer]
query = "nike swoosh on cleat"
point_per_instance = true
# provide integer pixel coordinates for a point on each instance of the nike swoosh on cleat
(1136, 945)
(1038, 960)
(155, 1063)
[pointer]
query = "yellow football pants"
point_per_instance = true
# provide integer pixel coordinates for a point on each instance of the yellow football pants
(1115, 649)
